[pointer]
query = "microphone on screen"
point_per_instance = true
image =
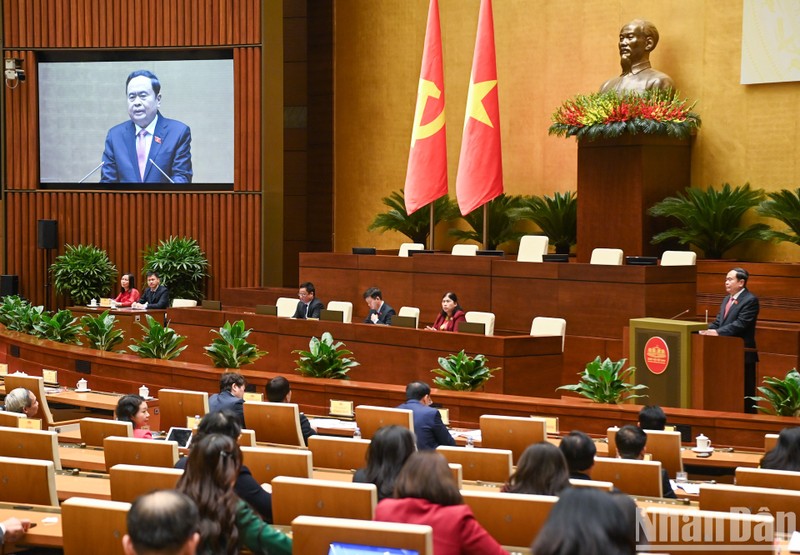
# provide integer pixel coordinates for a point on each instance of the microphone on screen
(680, 314)
(162, 171)
(88, 175)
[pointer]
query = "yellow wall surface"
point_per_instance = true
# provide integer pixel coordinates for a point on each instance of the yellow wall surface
(547, 51)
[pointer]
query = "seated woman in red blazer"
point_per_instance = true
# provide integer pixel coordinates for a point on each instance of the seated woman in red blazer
(133, 409)
(128, 293)
(452, 314)
(426, 493)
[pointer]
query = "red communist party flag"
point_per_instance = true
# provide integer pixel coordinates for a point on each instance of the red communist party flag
(426, 178)
(480, 166)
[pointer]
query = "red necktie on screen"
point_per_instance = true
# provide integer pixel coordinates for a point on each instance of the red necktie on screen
(141, 149)
(728, 307)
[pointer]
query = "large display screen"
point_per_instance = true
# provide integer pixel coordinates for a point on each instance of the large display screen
(88, 135)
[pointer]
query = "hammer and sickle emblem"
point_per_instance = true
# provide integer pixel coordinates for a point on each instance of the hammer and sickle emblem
(426, 89)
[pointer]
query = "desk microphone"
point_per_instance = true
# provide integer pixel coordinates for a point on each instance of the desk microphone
(162, 171)
(680, 314)
(85, 177)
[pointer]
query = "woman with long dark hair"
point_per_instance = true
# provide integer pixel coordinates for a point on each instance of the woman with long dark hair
(226, 522)
(786, 453)
(388, 451)
(450, 316)
(128, 294)
(541, 470)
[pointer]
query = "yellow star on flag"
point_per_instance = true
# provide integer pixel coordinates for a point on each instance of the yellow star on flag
(477, 92)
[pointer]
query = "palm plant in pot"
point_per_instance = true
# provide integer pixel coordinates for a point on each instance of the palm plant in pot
(556, 216)
(416, 226)
(181, 264)
(783, 205)
(604, 381)
(502, 224)
(83, 272)
(231, 348)
(325, 358)
(461, 372)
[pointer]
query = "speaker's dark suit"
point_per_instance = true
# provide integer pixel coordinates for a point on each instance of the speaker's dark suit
(170, 149)
(384, 315)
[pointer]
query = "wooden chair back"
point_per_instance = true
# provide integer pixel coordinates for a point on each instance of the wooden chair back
(511, 432)
(286, 306)
(597, 484)
(342, 453)
(488, 465)
(30, 444)
(631, 476)
(770, 441)
(512, 519)
(93, 526)
(28, 481)
(292, 497)
(95, 430)
(175, 405)
(678, 530)
(662, 446)
(782, 504)
(763, 478)
(314, 534)
(36, 385)
(275, 422)
(265, 463)
(247, 439)
(129, 481)
(146, 452)
(458, 474)
(369, 419)
(10, 419)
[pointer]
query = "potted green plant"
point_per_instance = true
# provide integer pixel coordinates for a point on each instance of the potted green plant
(231, 348)
(605, 382)
(502, 219)
(17, 314)
(710, 220)
(181, 264)
(158, 341)
(325, 359)
(783, 205)
(61, 326)
(83, 272)
(556, 216)
(462, 372)
(416, 226)
(782, 395)
(101, 331)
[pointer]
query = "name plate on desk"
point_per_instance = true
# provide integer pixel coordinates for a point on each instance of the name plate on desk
(341, 408)
(253, 396)
(445, 413)
(4, 369)
(50, 376)
(30, 423)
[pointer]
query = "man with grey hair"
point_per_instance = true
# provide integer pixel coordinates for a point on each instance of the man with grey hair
(162, 523)
(23, 401)
(636, 40)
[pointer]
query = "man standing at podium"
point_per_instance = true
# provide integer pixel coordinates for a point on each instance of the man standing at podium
(737, 317)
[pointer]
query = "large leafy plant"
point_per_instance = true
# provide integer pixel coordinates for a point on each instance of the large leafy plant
(503, 217)
(711, 219)
(783, 205)
(604, 381)
(158, 341)
(462, 372)
(181, 264)
(101, 331)
(556, 216)
(416, 226)
(19, 315)
(61, 326)
(231, 348)
(83, 272)
(782, 395)
(325, 359)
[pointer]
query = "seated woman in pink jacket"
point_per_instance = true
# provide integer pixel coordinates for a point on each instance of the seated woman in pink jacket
(128, 293)
(133, 408)
(425, 492)
(452, 314)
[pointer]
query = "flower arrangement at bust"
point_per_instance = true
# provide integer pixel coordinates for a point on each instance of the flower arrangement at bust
(609, 114)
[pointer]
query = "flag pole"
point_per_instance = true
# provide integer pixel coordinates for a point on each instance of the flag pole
(432, 227)
(485, 227)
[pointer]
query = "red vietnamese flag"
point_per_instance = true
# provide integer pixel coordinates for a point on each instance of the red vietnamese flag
(480, 166)
(426, 177)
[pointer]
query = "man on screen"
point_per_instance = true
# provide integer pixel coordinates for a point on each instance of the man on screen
(150, 148)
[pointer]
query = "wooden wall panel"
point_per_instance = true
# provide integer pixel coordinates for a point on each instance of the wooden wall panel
(227, 226)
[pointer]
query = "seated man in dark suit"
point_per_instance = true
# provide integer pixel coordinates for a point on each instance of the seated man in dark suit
(631, 441)
(652, 417)
(428, 426)
(149, 148)
(156, 296)
(379, 311)
(280, 391)
(230, 396)
(309, 306)
(579, 450)
(164, 522)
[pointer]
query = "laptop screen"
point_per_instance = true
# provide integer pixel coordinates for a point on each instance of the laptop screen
(182, 436)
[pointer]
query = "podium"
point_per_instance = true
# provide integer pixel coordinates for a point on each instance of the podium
(661, 351)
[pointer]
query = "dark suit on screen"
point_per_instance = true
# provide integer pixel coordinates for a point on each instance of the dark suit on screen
(170, 149)
(428, 426)
(314, 308)
(384, 315)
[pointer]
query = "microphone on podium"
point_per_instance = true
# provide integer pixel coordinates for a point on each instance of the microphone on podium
(162, 171)
(680, 314)
(85, 177)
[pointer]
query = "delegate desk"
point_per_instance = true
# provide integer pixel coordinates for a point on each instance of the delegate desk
(128, 319)
(530, 365)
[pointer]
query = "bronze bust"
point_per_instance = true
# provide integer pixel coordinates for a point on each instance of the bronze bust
(636, 40)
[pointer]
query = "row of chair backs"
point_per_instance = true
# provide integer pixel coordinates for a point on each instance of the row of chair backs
(662, 446)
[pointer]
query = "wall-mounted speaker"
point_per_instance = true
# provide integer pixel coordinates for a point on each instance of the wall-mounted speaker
(48, 234)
